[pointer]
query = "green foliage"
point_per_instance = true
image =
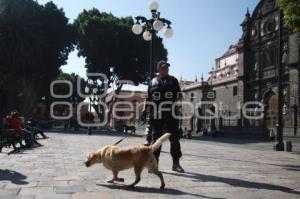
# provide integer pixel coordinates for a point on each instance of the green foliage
(63, 89)
(291, 9)
(67, 76)
(35, 41)
(107, 41)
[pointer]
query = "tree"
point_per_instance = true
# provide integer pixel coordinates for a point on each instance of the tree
(291, 10)
(63, 89)
(35, 41)
(107, 42)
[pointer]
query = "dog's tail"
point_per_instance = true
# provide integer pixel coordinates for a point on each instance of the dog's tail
(160, 141)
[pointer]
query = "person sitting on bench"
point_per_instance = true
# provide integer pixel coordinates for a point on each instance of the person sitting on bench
(31, 126)
(14, 122)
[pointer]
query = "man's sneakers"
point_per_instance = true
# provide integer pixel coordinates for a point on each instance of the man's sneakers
(147, 143)
(177, 168)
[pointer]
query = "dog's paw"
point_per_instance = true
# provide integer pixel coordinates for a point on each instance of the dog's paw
(162, 186)
(110, 181)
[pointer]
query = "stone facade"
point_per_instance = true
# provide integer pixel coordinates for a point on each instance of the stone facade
(262, 47)
(249, 71)
(193, 93)
(224, 82)
(221, 91)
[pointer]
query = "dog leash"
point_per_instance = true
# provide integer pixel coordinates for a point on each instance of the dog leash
(121, 140)
(115, 144)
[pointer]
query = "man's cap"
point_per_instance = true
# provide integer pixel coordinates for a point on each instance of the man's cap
(162, 64)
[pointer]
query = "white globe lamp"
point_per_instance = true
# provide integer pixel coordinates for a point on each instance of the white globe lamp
(137, 29)
(95, 90)
(158, 25)
(169, 33)
(153, 5)
(147, 35)
(87, 90)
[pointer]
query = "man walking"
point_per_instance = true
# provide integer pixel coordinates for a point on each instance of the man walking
(164, 91)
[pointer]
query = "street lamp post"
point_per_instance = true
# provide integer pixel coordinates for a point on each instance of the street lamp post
(2, 99)
(96, 89)
(279, 146)
(149, 28)
(93, 89)
(295, 119)
(74, 100)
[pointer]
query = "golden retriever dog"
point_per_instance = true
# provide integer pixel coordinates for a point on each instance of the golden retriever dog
(117, 159)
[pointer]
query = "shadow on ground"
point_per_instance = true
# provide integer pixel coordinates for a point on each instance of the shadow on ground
(13, 176)
(166, 191)
(289, 167)
(221, 158)
(230, 139)
(234, 182)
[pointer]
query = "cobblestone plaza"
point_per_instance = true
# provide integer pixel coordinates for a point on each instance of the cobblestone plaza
(225, 169)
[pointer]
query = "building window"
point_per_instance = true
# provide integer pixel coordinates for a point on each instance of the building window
(235, 91)
(192, 97)
(269, 26)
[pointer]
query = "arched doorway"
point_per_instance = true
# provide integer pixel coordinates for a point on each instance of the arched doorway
(271, 102)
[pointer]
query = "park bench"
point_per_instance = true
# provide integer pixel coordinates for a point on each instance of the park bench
(10, 138)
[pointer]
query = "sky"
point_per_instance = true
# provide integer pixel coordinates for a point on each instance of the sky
(203, 29)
